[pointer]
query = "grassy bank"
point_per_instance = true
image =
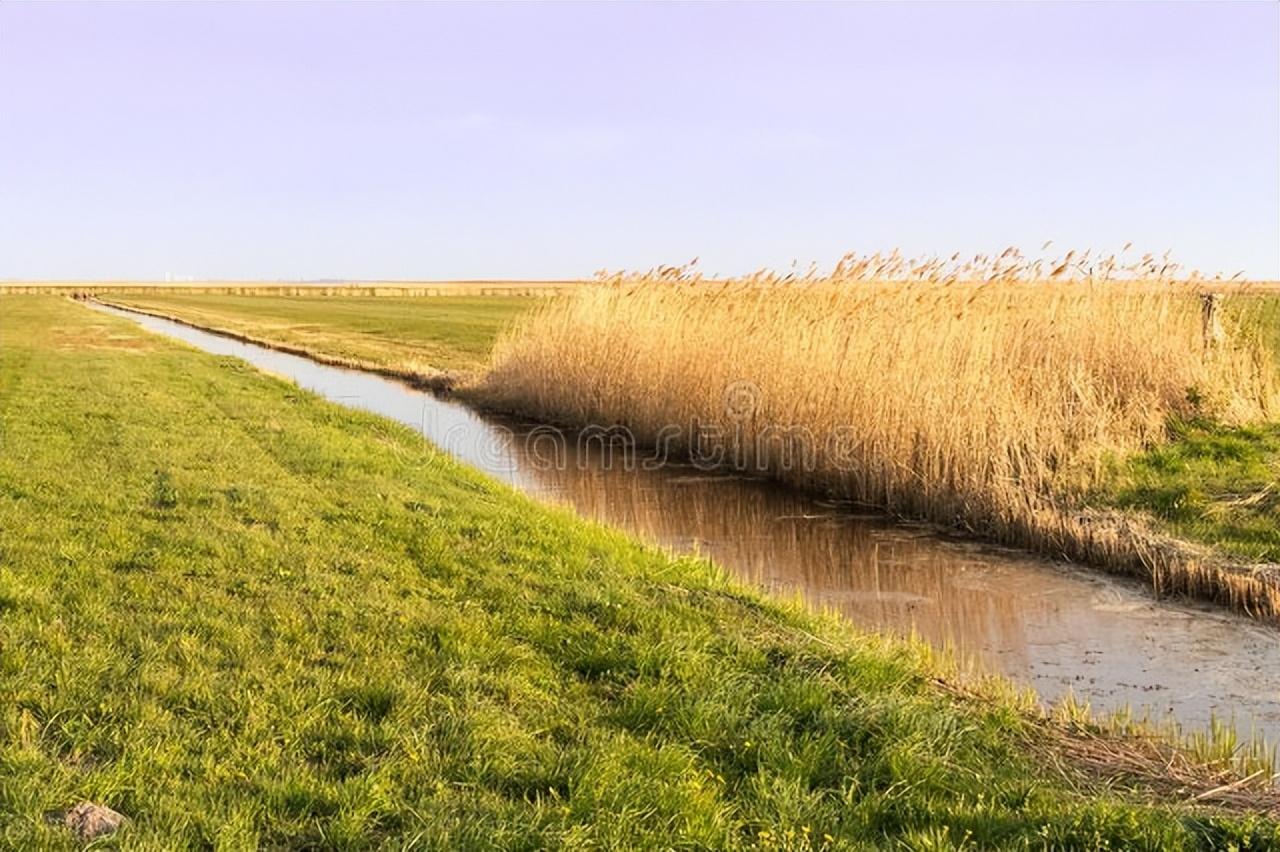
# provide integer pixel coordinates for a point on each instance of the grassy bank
(993, 406)
(1211, 483)
(421, 337)
(245, 617)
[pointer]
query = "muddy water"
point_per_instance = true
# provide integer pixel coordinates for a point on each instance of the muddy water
(1055, 627)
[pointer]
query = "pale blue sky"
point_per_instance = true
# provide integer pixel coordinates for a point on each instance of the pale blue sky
(438, 141)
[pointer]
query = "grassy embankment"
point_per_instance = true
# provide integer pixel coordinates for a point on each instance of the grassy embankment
(425, 340)
(1211, 483)
(244, 616)
(996, 406)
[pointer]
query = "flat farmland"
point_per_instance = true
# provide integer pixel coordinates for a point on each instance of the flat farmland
(247, 617)
(424, 335)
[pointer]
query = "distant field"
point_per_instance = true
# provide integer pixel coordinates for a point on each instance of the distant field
(425, 335)
(1263, 313)
(284, 288)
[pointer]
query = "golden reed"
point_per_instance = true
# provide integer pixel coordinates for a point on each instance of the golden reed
(985, 394)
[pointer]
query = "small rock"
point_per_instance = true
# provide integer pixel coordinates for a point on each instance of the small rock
(90, 821)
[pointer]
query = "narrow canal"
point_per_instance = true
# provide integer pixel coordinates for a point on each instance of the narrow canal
(1055, 627)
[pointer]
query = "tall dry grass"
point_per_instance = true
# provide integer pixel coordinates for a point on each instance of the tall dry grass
(984, 394)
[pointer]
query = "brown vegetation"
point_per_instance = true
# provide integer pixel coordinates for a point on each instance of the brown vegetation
(986, 394)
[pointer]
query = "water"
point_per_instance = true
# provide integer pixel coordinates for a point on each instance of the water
(1052, 626)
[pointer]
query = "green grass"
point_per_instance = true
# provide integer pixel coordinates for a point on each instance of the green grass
(424, 335)
(246, 617)
(1211, 483)
(1260, 312)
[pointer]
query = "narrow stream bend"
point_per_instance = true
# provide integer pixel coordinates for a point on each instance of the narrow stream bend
(1055, 627)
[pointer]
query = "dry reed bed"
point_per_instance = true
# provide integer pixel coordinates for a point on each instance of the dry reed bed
(985, 396)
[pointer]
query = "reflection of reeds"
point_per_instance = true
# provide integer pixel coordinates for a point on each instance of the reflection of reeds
(898, 584)
(984, 394)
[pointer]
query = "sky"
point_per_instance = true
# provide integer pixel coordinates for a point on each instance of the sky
(432, 141)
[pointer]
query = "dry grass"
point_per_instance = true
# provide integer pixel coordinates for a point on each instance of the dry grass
(984, 394)
(1160, 768)
(1211, 767)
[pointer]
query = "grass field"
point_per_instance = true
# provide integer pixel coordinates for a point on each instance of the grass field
(1262, 312)
(1211, 484)
(400, 289)
(245, 617)
(422, 336)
